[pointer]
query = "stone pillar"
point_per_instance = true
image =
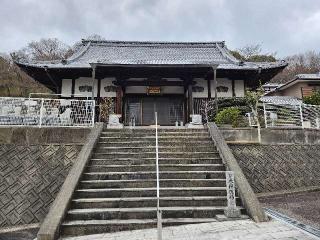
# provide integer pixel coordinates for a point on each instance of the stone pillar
(231, 211)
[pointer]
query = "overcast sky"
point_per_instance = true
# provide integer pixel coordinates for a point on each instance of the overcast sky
(283, 26)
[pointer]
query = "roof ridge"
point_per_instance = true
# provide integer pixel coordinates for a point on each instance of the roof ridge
(79, 53)
(226, 53)
(153, 42)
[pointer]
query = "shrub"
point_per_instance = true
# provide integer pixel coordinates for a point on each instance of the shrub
(314, 99)
(229, 115)
(237, 102)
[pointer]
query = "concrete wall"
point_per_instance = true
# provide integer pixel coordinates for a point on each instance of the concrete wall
(272, 135)
(35, 135)
(33, 165)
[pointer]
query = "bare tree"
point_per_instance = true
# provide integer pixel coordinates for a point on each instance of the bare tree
(250, 50)
(308, 62)
(207, 109)
(45, 49)
(253, 53)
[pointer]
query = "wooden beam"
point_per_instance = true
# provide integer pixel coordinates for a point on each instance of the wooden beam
(151, 83)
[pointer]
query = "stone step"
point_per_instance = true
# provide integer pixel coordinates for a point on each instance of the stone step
(152, 138)
(160, 136)
(152, 144)
(133, 202)
(149, 192)
(137, 161)
(149, 183)
(152, 175)
(143, 213)
(152, 167)
(160, 129)
(138, 155)
(86, 227)
(142, 149)
(153, 133)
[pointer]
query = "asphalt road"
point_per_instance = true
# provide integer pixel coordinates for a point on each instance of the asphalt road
(304, 207)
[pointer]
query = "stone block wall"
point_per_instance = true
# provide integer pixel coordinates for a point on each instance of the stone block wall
(270, 168)
(30, 178)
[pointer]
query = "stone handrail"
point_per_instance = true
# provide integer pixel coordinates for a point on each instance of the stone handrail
(50, 228)
(246, 193)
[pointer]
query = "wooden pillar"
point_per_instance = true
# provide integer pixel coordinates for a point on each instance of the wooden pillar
(93, 75)
(209, 87)
(190, 99)
(99, 90)
(123, 91)
(233, 88)
(73, 85)
(185, 104)
(215, 83)
(118, 106)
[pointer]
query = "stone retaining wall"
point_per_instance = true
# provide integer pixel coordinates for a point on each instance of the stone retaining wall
(271, 168)
(30, 178)
(33, 165)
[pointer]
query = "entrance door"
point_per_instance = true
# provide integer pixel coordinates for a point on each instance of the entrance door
(169, 109)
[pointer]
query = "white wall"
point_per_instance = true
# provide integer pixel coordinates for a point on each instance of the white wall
(66, 88)
(239, 88)
(104, 83)
(83, 81)
(225, 83)
(200, 82)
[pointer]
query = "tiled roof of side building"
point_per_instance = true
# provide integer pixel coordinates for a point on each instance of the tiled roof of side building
(311, 76)
(154, 53)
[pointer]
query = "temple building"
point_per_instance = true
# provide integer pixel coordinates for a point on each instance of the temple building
(144, 77)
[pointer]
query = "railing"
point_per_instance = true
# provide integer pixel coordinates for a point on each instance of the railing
(285, 115)
(45, 112)
(159, 213)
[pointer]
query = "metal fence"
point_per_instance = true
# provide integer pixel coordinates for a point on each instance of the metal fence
(285, 115)
(44, 112)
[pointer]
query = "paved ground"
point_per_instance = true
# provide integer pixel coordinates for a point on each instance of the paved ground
(304, 207)
(29, 234)
(232, 230)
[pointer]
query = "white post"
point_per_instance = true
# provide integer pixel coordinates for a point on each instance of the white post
(40, 117)
(301, 114)
(265, 115)
(93, 112)
(231, 211)
(159, 221)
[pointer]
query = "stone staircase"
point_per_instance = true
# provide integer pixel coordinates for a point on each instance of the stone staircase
(118, 188)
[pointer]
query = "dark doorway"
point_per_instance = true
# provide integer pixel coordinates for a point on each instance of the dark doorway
(141, 110)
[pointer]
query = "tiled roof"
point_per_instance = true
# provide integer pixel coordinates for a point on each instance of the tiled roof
(154, 53)
(313, 76)
(298, 78)
(285, 100)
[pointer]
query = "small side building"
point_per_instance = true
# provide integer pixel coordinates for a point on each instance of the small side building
(303, 85)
